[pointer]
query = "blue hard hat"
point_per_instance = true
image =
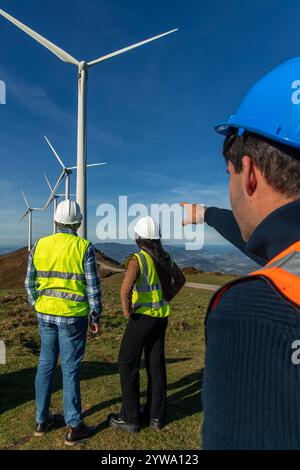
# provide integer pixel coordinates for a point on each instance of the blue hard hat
(272, 107)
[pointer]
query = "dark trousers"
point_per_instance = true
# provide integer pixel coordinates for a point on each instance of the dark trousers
(143, 333)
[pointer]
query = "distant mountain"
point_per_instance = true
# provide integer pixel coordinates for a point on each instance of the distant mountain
(9, 249)
(223, 258)
(213, 258)
(13, 267)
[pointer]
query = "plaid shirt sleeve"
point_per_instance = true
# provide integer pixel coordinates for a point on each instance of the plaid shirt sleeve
(93, 287)
(30, 280)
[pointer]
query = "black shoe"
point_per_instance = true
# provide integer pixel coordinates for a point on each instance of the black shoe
(115, 421)
(79, 434)
(156, 424)
(41, 429)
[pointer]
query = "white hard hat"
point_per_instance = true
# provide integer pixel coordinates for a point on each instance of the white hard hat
(147, 228)
(68, 213)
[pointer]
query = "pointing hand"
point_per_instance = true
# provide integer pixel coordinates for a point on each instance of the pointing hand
(194, 213)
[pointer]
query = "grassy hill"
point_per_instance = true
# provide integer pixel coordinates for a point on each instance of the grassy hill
(100, 380)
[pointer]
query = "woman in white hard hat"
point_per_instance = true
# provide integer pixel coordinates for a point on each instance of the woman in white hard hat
(151, 281)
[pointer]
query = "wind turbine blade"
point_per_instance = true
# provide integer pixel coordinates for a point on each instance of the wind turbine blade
(126, 49)
(55, 153)
(52, 195)
(22, 218)
(91, 164)
(25, 199)
(60, 53)
(96, 164)
(48, 182)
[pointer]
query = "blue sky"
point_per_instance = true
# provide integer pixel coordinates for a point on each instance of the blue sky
(151, 111)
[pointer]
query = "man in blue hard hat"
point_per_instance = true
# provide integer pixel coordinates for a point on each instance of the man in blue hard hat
(252, 367)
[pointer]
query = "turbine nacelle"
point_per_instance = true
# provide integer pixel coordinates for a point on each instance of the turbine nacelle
(83, 65)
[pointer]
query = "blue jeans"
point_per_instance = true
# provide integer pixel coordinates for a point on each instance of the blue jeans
(69, 341)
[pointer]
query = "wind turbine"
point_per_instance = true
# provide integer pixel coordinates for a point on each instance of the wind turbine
(55, 200)
(66, 173)
(83, 67)
(29, 212)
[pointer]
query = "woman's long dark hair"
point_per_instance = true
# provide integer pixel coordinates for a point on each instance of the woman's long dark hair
(163, 263)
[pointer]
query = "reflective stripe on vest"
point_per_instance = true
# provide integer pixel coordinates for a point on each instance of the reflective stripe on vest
(147, 295)
(283, 272)
(62, 295)
(49, 274)
(61, 286)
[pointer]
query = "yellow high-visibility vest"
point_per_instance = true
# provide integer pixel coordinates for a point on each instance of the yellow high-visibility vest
(61, 286)
(147, 295)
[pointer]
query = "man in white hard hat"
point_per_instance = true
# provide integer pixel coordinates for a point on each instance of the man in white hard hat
(63, 287)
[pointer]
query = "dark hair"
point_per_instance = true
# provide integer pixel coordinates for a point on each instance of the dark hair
(278, 163)
(73, 227)
(163, 263)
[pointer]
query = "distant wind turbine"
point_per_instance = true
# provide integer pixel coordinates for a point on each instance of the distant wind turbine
(29, 212)
(83, 66)
(55, 200)
(66, 173)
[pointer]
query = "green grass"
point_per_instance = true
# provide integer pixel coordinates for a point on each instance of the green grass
(210, 278)
(100, 380)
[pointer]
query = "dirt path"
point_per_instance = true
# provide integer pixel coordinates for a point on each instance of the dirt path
(110, 268)
(193, 285)
(197, 285)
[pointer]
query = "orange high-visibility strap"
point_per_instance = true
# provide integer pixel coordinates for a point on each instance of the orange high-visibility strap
(283, 271)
